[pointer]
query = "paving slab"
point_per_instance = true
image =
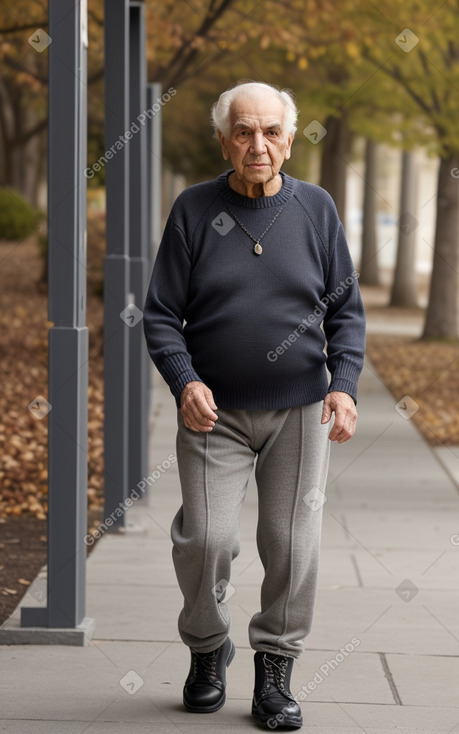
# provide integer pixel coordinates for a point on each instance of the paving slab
(400, 527)
(384, 622)
(403, 719)
(142, 612)
(380, 568)
(427, 680)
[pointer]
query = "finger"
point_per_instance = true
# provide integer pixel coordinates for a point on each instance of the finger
(195, 418)
(200, 407)
(194, 425)
(343, 428)
(210, 406)
(326, 413)
(195, 414)
(192, 408)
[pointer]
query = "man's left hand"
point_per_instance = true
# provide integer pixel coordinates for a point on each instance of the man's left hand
(343, 406)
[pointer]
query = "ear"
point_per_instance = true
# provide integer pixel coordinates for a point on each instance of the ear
(288, 149)
(225, 151)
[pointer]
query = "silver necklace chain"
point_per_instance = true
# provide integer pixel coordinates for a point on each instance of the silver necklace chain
(258, 248)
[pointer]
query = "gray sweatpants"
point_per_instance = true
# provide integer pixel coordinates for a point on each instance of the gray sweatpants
(292, 450)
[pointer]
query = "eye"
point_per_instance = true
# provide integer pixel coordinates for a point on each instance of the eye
(272, 133)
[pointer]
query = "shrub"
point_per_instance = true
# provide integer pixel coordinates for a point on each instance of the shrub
(18, 219)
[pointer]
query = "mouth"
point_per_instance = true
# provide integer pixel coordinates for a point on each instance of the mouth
(258, 165)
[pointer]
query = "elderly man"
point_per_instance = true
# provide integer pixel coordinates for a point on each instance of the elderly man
(253, 277)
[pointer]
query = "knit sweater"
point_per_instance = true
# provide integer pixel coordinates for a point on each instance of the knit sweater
(258, 330)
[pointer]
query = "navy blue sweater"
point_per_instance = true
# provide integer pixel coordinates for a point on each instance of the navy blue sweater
(252, 327)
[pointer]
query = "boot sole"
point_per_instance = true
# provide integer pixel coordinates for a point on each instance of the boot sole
(263, 721)
(221, 702)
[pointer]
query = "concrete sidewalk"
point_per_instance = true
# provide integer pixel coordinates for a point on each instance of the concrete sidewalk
(383, 655)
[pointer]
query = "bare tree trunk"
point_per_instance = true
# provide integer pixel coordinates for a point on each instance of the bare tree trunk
(29, 159)
(20, 159)
(404, 283)
(442, 320)
(7, 126)
(369, 270)
(337, 146)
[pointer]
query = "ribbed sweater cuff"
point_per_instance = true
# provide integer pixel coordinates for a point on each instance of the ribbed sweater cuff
(344, 386)
(177, 370)
(345, 379)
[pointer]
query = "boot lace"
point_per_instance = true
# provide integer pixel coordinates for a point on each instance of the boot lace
(276, 670)
(205, 666)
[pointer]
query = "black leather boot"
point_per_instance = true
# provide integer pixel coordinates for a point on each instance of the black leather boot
(204, 690)
(273, 704)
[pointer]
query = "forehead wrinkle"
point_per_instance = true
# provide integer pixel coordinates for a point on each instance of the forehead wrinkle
(241, 122)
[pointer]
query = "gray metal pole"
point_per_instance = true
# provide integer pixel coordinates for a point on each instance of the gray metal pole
(116, 264)
(68, 338)
(154, 93)
(139, 367)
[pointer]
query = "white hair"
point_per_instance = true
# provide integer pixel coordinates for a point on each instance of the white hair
(220, 111)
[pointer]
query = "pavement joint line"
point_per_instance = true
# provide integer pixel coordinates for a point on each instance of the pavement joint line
(364, 546)
(90, 723)
(357, 570)
(390, 678)
(346, 529)
(97, 647)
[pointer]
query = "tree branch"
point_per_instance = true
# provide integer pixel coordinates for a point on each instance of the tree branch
(425, 66)
(173, 73)
(394, 73)
(189, 74)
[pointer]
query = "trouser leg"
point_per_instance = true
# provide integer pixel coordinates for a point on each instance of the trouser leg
(291, 475)
(214, 469)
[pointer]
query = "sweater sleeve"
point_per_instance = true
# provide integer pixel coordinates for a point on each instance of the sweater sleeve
(164, 310)
(344, 322)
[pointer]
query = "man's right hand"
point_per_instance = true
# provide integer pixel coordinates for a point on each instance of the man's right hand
(197, 407)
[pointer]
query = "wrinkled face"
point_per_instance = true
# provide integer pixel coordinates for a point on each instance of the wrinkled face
(257, 144)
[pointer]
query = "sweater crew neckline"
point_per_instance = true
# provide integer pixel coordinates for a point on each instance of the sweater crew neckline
(262, 202)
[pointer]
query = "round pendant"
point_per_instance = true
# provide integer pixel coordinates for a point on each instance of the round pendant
(258, 249)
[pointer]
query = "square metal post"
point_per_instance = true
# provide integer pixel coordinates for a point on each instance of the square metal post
(68, 338)
(154, 93)
(139, 360)
(154, 202)
(116, 264)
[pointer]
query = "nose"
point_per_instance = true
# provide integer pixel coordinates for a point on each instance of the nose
(258, 143)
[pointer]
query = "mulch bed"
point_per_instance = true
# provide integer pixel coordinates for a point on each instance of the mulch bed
(429, 373)
(23, 438)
